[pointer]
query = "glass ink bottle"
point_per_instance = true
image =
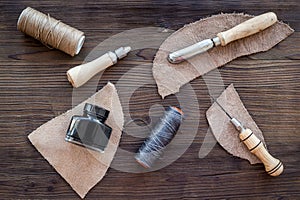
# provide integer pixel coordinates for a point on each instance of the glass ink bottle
(90, 130)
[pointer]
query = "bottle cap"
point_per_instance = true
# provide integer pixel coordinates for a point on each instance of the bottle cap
(96, 110)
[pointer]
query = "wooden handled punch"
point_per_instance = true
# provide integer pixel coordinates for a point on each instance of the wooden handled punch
(80, 74)
(247, 28)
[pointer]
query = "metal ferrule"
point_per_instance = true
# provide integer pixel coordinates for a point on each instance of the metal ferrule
(237, 125)
(119, 54)
(113, 57)
(216, 41)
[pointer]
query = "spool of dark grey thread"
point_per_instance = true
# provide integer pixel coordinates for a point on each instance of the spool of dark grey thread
(160, 137)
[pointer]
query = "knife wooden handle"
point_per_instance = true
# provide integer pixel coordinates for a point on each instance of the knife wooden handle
(273, 166)
(80, 74)
(249, 27)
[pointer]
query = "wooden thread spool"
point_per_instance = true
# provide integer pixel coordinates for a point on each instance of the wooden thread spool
(50, 31)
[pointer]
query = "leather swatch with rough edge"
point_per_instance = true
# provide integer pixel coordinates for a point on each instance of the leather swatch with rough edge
(170, 77)
(80, 167)
(224, 131)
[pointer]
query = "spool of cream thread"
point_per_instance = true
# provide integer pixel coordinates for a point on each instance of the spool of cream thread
(50, 32)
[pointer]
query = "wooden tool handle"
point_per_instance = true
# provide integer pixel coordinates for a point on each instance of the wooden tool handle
(273, 166)
(247, 28)
(79, 75)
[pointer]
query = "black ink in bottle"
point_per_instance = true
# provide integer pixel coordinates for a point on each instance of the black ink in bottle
(90, 130)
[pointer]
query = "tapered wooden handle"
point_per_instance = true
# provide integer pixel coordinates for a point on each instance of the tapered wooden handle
(79, 75)
(273, 166)
(247, 28)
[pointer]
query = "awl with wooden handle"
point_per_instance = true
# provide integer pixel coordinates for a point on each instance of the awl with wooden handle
(80, 74)
(273, 166)
(247, 28)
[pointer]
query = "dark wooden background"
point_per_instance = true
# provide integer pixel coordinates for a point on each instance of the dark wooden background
(34, 89)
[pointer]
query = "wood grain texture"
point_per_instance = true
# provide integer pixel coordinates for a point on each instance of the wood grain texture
(247, 28)
(34, 89)
(273, 166)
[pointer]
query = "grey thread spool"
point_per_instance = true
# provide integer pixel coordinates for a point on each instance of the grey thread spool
(50, 31)
(160, 137)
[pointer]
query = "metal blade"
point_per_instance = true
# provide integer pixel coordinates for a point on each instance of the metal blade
(190, 51)
(215, 100)
(234, 121)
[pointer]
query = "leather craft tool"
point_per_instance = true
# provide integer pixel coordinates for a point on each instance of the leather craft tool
(247, 28)
(80, 74)
(273, 166)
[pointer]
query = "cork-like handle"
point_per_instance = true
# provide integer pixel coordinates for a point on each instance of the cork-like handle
(247, 28)
(273, 166)
(79, 75)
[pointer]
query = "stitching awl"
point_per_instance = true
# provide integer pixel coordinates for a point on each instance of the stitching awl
(273, 166)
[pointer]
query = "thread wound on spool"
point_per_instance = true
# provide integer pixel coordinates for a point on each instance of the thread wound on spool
(50, 31)
(160, 137)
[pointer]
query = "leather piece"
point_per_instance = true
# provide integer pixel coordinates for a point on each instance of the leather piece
(170, 77)
(80, 167)
(224, 131)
